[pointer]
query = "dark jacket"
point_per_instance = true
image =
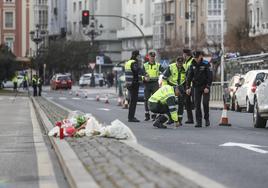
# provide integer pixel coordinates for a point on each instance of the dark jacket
(137, 72)
(199, 74)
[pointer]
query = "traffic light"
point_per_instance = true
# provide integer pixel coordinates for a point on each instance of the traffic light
(85, 17)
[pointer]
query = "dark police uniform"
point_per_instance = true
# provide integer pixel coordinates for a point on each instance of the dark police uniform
(200, 76)
(133, 77)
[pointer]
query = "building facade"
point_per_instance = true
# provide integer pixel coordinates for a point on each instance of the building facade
(141, 13)
(15, 25)
(258, 17)
(57, 18)
(172, 21)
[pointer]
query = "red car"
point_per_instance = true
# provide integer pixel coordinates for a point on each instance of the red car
(60, 81)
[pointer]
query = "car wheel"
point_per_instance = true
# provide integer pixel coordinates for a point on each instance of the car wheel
(237, 107)
(258, 121)
(249, 107)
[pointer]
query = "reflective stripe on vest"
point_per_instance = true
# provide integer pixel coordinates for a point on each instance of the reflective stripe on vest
(152, 70)
(174, 78)
(128, 71)
(188, 64)
(162, 94)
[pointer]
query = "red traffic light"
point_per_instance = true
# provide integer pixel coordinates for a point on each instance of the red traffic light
(85, 13)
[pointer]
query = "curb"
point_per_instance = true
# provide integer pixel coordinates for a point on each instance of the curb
(74, 170)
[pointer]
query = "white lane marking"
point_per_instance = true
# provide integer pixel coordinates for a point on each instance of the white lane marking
(251, 147)
(50, 98)
(91, 99)
(76, 98)
(62, 98)
(45, 167)
(103, 109)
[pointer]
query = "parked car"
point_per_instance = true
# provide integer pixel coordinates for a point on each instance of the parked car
(260, 113)
(244, 96)
(60, 81)
(9, 83)
(232, 88)
(85, 79)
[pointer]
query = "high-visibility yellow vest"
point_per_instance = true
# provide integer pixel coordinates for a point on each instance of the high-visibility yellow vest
(174, 78)
(128, 72)
(152, 70)
(188, 63)
(15, 79)
(161, 95)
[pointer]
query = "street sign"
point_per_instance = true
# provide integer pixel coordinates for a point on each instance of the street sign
(91, 65)
(99, 60)
(118, 68)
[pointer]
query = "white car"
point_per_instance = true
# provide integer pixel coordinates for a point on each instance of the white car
(260, 114)
(9, 83)
(85, 79)
(244, 96)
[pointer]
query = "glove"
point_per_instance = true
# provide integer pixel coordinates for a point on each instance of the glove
(188, 91)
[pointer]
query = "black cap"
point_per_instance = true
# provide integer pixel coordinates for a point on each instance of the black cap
(180, 59)
(187, 51)
(135, 53)
(198, 53)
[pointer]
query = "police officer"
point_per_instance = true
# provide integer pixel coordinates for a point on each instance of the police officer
(39, 84)
(152, 71)
(163, 102)
(15, 82)
(34, 84)
(201, 78)
(133, 77)
(187, 54)
(175, 75)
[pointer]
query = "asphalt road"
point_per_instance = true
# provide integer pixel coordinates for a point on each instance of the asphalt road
(233, 165)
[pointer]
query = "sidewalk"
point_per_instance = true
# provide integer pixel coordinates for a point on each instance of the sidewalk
(110, 163)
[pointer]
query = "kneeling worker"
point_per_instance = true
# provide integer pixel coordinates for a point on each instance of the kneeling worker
(163, 101)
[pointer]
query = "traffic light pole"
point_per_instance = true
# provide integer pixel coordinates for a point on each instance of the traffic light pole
(125, 18)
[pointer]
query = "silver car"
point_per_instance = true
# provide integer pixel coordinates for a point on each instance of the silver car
(85, 79)
(260, 113)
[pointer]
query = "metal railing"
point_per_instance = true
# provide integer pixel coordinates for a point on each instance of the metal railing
(217, 91)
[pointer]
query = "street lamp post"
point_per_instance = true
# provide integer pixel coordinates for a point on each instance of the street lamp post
(222, 42)
(37, 38)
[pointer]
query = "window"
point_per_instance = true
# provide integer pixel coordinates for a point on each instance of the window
(9, 41)
(258, 17)
(80, 5)
(9, 18)
(141, 19)
(9, 1)
(214, 7)
(74, 6)
(181, 9)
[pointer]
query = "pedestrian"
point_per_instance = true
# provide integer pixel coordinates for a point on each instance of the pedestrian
(163, 101)
(25, 81)
(34, 84)
(199, 79)
(39, 85)
(152, 71)
(175, 75)
(133, 77)
(15, 82)
(189, 102)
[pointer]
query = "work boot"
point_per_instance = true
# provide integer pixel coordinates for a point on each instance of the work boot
(153, 116)
(147, 117)
(207, 123)
(170, 121)
(159, 122)
(198, 125)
